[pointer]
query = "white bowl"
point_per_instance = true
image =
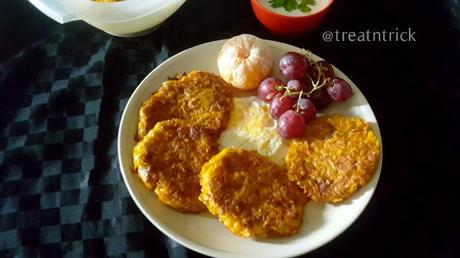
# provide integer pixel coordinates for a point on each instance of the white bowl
(126, 18)
(203, 232)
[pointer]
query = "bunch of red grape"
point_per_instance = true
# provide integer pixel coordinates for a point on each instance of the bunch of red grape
(312, 86)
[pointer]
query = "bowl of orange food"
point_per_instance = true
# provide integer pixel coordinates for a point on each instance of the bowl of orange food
(290, 17)
(124, 18)
(202, 157)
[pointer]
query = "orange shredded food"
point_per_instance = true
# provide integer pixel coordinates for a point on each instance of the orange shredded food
(338, 155)
(251, 195)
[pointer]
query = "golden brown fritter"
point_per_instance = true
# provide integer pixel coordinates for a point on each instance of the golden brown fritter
(201, 98)
(169, 159)
(251, 195)
(338, 155)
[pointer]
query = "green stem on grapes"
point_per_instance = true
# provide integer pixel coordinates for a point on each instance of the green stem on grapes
(307, 53)
(279, 87)
(297, 109)
(315, 84)
(320, 82)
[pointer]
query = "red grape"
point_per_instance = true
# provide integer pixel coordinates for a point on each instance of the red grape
(307, 109)
(267, 88)
(321, 98)
(280, 105)
(294, 65)
(339, 90)
(325, 67)
(291, 125)
(297, 85)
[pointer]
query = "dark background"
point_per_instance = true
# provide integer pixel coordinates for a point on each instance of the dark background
(413, 88)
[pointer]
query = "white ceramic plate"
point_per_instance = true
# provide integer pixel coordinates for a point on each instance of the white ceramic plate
(203, 232)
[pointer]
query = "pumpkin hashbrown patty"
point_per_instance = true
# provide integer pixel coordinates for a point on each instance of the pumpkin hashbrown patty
(338, 155)
(251, 195)
(201, 98)
(169, 159)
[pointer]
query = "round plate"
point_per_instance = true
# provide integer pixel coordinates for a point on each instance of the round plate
(204, 233)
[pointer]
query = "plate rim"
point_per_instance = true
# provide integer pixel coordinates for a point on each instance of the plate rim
(219, 253)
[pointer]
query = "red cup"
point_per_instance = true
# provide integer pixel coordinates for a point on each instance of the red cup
(288, 25)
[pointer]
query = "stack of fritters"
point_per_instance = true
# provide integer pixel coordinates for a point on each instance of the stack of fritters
(177, 156)
(178, 130)
(338, 155)
(251, 195)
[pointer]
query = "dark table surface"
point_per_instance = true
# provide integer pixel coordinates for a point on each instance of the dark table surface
(63, 88)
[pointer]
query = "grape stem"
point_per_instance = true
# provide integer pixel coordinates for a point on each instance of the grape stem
(317, 85)
(307, 53)
(320, 82)
(297, 106)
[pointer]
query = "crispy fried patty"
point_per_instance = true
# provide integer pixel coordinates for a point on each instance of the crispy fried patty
(338, 156)
(201, 98)
(251, 195)
(169, 160)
